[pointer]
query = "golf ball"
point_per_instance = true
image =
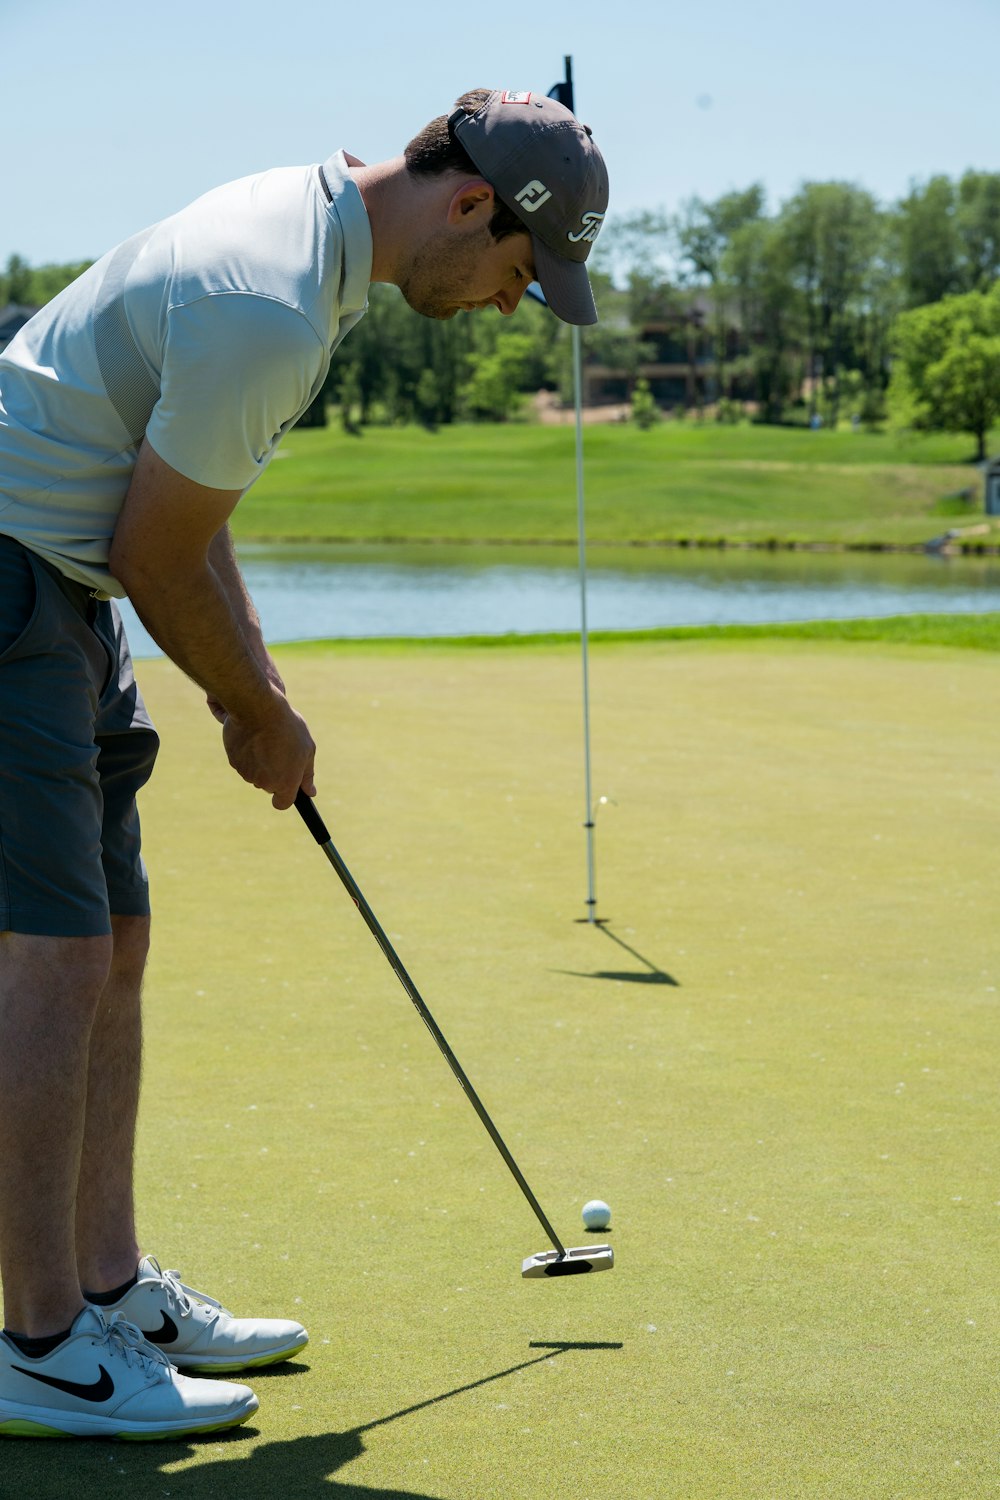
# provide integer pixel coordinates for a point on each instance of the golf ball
(596, 1214)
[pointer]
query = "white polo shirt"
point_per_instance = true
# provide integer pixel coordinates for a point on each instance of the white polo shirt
(209, 333)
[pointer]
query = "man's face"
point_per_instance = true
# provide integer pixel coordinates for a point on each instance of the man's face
(456, 272)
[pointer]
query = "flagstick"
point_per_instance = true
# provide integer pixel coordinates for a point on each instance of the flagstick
(563, 91)
(582, 544)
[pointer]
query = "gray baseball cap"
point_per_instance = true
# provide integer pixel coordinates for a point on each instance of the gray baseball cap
(543, 164)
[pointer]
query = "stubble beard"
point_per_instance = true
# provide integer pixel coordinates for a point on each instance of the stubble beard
(439, 273)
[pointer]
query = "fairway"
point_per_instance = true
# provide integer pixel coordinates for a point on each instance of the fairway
(776, 1062)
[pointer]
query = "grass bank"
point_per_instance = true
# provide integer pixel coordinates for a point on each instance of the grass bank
(678, 483)
(971, 632)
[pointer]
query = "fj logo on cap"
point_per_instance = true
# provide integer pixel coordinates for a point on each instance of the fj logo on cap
(532, 196)
(591, 227)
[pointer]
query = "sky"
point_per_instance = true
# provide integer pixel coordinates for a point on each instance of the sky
(116, 114)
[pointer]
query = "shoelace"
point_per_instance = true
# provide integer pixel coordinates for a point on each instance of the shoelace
(180, 1295)
(129, 1342)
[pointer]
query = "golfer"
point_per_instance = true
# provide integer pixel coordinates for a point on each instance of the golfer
(135, 410)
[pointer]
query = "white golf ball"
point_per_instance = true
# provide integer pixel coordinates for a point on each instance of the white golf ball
(596, 1214)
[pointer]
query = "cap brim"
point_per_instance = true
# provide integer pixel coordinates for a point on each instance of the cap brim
(566, 285)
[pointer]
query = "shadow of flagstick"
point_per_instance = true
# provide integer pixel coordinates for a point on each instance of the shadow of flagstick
(653, 974)
(553, 1349)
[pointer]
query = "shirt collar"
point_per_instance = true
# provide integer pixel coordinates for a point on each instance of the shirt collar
(349, 206)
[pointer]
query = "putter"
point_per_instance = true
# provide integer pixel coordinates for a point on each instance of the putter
(556, 1262)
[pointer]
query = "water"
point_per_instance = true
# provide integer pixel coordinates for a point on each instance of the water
(342, 592)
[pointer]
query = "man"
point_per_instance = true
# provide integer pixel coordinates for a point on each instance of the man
(135, 410)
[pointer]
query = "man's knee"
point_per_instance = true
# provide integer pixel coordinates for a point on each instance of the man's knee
(69, 969)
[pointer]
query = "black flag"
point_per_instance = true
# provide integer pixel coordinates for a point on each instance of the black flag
(563, 92)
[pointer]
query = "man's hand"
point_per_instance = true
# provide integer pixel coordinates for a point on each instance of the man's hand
(277, 755)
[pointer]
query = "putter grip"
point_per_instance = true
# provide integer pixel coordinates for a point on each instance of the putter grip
(311, 818)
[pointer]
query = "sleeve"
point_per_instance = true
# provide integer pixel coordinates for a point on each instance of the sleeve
(237, 369)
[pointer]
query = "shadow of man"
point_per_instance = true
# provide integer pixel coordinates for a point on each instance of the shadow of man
(299, 1467)
(304, 1466)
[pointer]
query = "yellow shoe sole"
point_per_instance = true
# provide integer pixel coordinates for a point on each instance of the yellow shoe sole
(22, 1427)
(258, 1362)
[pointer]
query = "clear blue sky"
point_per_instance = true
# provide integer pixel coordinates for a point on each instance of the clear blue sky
(115, 114)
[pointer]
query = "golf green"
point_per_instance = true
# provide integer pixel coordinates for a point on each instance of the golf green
(776, 1061)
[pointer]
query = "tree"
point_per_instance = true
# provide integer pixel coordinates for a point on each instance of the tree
(34, 286)
(948, 373)
(977, 222)
(16, 281)
(640, 244)
(349, 394)
(962, 388)
(496, 380)
(427, 400)
(618, 346)
(638, 250)
(758, 265)
(948, 237)
(704, 233)
(833, 230)
(927, 243)
(643, 408)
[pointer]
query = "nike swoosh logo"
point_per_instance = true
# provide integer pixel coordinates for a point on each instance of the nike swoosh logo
(101, 1390)
(165, 1334)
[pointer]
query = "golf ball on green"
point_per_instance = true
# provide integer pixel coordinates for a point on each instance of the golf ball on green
(596, 1214)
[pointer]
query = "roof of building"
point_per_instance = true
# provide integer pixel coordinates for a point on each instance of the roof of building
(13, 317)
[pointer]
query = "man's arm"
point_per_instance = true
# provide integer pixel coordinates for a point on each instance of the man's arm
(222, 556)
(183, 581)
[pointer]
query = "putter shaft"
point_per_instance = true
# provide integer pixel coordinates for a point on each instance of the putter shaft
(307, 809)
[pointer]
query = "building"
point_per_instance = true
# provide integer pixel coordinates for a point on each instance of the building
(681, 364)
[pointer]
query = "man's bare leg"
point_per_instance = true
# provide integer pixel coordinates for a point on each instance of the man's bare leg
(106, 1243)
(50, 988)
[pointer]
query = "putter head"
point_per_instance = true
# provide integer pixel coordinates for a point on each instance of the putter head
(573, 1263)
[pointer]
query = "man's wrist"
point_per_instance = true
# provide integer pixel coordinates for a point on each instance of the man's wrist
(266, 708)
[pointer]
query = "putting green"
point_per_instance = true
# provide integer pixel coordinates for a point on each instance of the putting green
(776, 1062)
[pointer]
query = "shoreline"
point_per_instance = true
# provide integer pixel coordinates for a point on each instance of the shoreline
(950, 544)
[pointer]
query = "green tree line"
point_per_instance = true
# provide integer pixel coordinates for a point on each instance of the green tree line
(832, 305)
(33, 286)
(812, 304)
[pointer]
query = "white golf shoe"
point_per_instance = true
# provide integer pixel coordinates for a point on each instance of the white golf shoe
(105, 1381)
(197, 1333)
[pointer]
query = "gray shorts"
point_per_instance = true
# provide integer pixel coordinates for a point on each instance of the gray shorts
(76, 744)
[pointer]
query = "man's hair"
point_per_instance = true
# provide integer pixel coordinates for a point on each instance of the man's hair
(435, 151)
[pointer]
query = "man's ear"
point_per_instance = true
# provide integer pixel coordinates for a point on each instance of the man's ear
(473, 197)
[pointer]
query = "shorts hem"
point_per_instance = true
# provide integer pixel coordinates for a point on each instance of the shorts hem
(129, 903)
(50, 924)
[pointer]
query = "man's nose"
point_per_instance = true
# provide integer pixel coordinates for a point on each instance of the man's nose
(509, 297)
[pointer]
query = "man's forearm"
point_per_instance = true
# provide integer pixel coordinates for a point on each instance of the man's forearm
(222, 558)
(199, 620)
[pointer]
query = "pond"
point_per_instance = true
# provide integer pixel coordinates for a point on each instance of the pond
(351, 592)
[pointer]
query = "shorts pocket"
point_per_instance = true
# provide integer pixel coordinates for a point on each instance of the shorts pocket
(18, 596)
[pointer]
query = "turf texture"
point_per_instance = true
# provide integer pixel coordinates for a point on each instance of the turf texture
(776, 1061)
